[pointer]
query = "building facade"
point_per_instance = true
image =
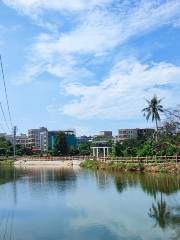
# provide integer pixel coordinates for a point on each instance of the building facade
(70, 139)
(38, 138)
(105, 134)
(22, 140)
(133, 133)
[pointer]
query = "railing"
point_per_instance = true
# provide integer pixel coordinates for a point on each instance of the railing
(147, 159)
(67, 158)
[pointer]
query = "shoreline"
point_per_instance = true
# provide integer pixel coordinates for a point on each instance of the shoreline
(92, 164)
(132, 167)
(47, 163)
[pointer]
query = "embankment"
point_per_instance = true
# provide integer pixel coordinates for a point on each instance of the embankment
(140, 167)
(47, 162)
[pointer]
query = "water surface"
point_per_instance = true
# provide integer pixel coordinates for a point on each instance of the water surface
(66, 203)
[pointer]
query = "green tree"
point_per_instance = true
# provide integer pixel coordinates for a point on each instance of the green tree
(85, 148)
(5, 147)
(153, 110)
(60, 146)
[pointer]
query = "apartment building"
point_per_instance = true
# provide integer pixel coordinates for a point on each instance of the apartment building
(105, 134)
(132, 133)
(22, 140)
(38, 138)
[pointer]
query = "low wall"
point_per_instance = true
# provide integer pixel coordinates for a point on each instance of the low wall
(39, 163)
(50, 162)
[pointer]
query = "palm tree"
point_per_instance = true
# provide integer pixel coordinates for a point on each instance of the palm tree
(153, 110)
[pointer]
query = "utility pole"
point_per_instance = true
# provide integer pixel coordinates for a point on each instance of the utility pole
(14, 141)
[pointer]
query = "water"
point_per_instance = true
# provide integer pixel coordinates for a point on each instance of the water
(64, 204)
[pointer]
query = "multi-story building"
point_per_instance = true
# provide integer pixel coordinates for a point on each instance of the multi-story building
(22, 140)
(83, 139)
(141, 132)
(38, 138)
(134, 133)
(70, 138)
(105, 134)
(124, 134)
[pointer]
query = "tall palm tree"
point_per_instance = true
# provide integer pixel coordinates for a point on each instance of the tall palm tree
(153, 109)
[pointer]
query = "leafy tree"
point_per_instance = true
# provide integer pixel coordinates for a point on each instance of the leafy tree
(85, 148)
(60, 146)
(153, 109)
(5, 147)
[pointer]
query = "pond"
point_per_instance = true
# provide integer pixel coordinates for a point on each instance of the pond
(44, 203)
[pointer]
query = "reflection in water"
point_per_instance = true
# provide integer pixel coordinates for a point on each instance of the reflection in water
(64, 203)
(41, 180)
(166, 216)
(152, 184)
(160, 213)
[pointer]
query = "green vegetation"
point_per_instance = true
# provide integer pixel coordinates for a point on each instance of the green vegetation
(85, 149)
(113, 165)
(6, 148)
(6, 162)
(166, 140)
(61, 145)
(123, 166)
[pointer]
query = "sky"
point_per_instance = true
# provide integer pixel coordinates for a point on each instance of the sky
(88, 65)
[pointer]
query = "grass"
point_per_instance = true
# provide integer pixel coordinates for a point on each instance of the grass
(113, 165)
(122, 166)
(6, 162)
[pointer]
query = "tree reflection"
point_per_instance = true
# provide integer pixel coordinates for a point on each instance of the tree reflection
(165, 216)
(160, 212)
(152, 184)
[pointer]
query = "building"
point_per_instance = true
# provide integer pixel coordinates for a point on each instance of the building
(133, 133)
(124, 134)
(22, 140)
(70, 138)
(83, 139)
(141, 132)
(105, 134)
(38, 139)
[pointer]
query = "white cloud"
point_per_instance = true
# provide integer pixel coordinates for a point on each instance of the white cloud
(102, 30)
(98, 32)
(35, 6)
(122, 95)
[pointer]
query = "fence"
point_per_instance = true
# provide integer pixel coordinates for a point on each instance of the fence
(147, 159)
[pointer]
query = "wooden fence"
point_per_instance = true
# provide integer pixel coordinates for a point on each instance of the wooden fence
(147, 159)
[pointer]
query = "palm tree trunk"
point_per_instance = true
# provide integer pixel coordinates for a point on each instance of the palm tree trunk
(156, 130)
(156, 126)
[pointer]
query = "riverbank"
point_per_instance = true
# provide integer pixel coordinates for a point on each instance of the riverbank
(139, 167)
(6, 162)
(47, 162)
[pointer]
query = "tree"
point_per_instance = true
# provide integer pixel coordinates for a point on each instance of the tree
(153, 109)
(60, 146)
(5, 147)
(85, 148)
(173, 118)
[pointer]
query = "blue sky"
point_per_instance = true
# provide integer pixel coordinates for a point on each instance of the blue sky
(88, 65)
